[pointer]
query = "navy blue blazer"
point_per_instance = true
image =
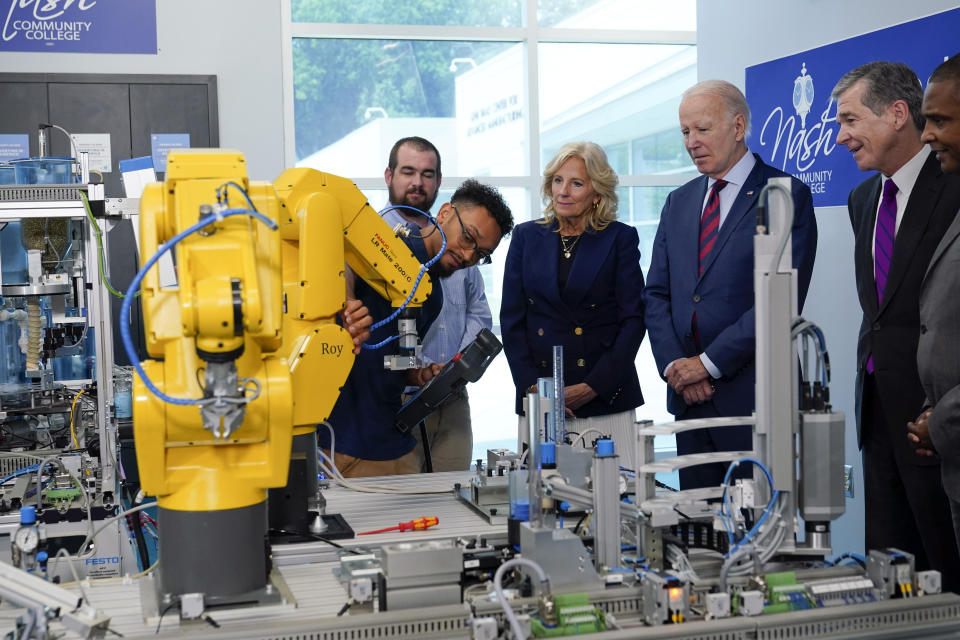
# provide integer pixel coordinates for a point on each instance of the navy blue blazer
(723, 296)
(598, 317)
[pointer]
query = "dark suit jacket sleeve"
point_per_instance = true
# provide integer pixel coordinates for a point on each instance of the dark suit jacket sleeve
(735, 346)
(658, 313)
(513, 314)
(605, 377)
(944, 423)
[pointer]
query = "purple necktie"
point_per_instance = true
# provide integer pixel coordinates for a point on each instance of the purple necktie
(883, 243)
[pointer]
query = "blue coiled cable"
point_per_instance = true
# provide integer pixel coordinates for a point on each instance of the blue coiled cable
(137, 279)
(423, 270)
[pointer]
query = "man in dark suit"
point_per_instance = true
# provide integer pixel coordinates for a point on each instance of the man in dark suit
(699, 295)
(938, 354)
(898, 217)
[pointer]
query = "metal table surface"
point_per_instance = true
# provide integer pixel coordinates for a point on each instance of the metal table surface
(307, 570)
(307, 567)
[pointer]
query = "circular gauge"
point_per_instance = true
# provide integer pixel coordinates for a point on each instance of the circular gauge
(26, 539)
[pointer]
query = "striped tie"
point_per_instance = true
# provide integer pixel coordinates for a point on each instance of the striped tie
(710, 223)
(709, 227)
(883, 243)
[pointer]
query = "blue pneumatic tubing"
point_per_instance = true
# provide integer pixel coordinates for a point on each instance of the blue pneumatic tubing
(135, 285)
(423, 269)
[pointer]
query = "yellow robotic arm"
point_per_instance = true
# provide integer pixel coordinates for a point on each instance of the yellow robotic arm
(217, 329)
(249, 336)
(325, 222)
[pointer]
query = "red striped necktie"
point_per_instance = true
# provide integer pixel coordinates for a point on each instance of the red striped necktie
(710, 223)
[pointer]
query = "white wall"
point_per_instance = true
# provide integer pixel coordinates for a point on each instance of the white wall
(760, 30)
(239, 41)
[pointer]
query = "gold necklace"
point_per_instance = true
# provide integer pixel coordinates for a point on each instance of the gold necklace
(568, 248)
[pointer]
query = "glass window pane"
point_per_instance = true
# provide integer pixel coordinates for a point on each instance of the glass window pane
(629, 106)
(646, 15)
(518, 201)
(354, 98)
(641, 207)
(463, 13)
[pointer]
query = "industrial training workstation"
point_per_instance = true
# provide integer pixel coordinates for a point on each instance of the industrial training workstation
(508, 319)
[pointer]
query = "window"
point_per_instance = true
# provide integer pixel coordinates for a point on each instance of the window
(498, 86)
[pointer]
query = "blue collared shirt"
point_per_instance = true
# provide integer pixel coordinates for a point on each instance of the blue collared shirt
(464, 313)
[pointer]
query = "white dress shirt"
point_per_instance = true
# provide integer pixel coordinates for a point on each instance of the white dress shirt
(905, 178)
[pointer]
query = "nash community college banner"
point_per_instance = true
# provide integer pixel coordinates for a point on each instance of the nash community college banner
(79, 26)
(794, 120)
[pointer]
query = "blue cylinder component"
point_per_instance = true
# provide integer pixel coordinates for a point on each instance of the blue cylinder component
(605, 448)
(42, 556)
(28, 515)
(548, 453)
(520, 510)
(565, 506)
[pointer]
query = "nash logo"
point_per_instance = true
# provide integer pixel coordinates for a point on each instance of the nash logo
(803, 95)
(801, 146)
(40, 21)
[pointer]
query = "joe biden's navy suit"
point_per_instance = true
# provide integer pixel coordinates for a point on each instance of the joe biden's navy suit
(722, 298)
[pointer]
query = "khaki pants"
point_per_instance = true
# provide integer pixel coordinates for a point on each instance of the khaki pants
(352, 467)
(449, 435)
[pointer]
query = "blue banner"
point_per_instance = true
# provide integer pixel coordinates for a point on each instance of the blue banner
(79, 26)
(794, 125)
(14, 146)
(162, 143)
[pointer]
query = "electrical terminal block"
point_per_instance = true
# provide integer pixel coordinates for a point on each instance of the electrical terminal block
(665, 599)
(567, 614)
(785, 594)
(892, 572)
(843, 591)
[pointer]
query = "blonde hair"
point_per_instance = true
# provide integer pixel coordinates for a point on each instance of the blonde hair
(602, 176)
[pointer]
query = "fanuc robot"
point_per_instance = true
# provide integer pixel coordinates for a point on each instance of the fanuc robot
(246, 352)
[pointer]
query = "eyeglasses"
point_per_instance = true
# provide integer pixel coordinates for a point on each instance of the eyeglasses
(483, 256)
